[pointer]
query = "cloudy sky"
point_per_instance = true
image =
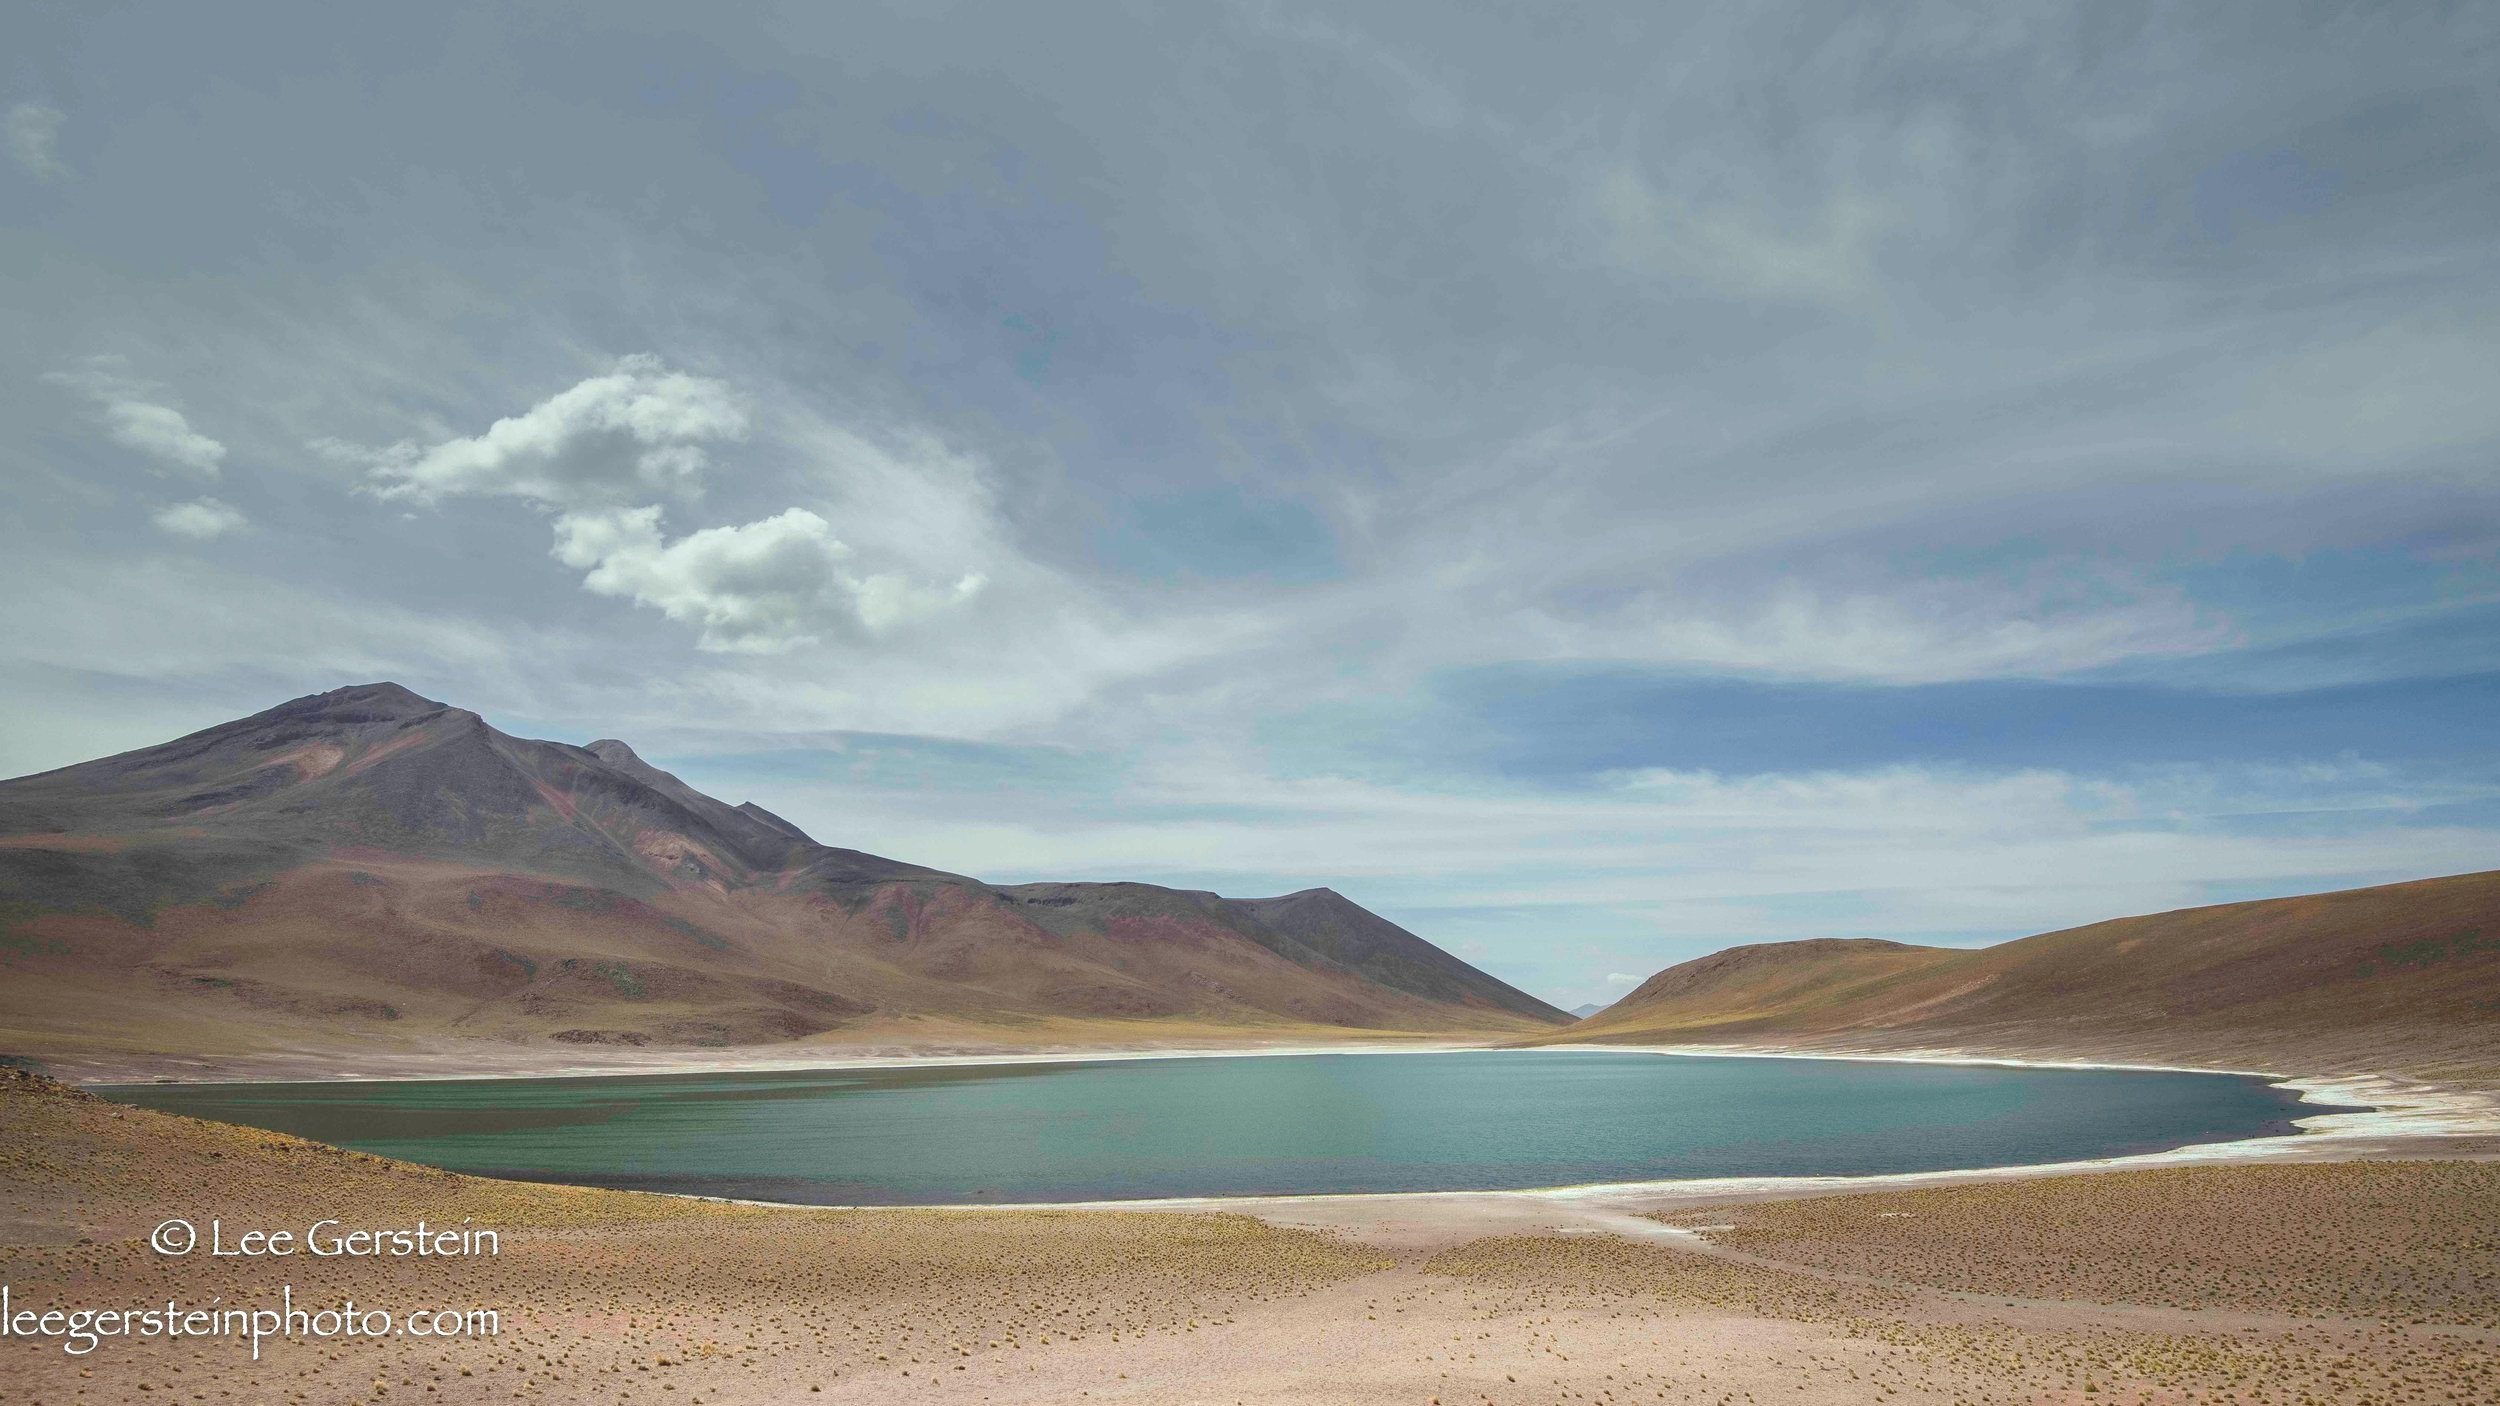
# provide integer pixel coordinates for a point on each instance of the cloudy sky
(1596, 485)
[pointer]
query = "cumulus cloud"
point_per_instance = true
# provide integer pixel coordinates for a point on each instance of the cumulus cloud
(637, 431)
(758, 588)
(595, 454)
(137, 418)
(31, 132)
(200, 519)
(1622, 979)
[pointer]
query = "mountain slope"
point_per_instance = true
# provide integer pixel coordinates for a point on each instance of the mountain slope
(2402, 976)
(367, 865)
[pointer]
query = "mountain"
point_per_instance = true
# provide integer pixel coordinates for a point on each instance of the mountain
(370, 868)
(2403, 976)
(1585, 1009)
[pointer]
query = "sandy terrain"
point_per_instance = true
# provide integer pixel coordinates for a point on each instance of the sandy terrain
(2362, 1280)
(911, 1043)
(2396, 979)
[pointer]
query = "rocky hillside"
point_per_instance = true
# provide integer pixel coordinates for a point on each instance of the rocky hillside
(2403, 976)
(368, 868)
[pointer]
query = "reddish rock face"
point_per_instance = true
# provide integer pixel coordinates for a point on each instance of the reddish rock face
(368, 863)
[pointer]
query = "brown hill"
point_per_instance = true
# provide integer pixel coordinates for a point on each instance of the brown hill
(368, 868)
(2404, 977)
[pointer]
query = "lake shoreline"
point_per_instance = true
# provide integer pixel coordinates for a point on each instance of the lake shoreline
(680, 1062)
(2354, 1116)
(1356, 1300)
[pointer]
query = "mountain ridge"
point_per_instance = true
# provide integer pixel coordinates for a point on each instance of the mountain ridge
(366, 863)
(2401, 976)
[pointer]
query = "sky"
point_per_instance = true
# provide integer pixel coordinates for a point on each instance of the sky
(1594, 485)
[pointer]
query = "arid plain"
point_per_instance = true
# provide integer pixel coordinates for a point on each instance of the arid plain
(2374, 1277)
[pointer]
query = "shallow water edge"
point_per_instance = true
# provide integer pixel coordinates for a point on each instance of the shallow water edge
(2348, 1112)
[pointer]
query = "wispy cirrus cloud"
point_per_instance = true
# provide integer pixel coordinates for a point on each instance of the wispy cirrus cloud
(1895, 633)
(137, 415)
(1720, 244)
(1657, 865)
(200, 519)
(32, 133)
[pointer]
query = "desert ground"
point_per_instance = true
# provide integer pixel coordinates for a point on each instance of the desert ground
(2373, 1277)
(914, 1041)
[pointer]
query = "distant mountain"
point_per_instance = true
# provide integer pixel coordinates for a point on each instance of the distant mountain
(2403, 976)
(367, 864)
(1585, 1009)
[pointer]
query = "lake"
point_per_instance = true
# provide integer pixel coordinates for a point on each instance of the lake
(1269, 1125)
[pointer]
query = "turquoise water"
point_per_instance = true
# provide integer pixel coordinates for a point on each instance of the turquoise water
(1274, 1125)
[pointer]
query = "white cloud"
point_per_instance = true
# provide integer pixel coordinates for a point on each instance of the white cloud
(32, 131)
(596, 453)
(200, 519)
(1924, 632)
(1905, 851)
(1665, 866)
(759, 588)
(639, 430)
(136, 418)
(197, 641)
(1461, 607)
(1737, 248)
(2365, 401)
